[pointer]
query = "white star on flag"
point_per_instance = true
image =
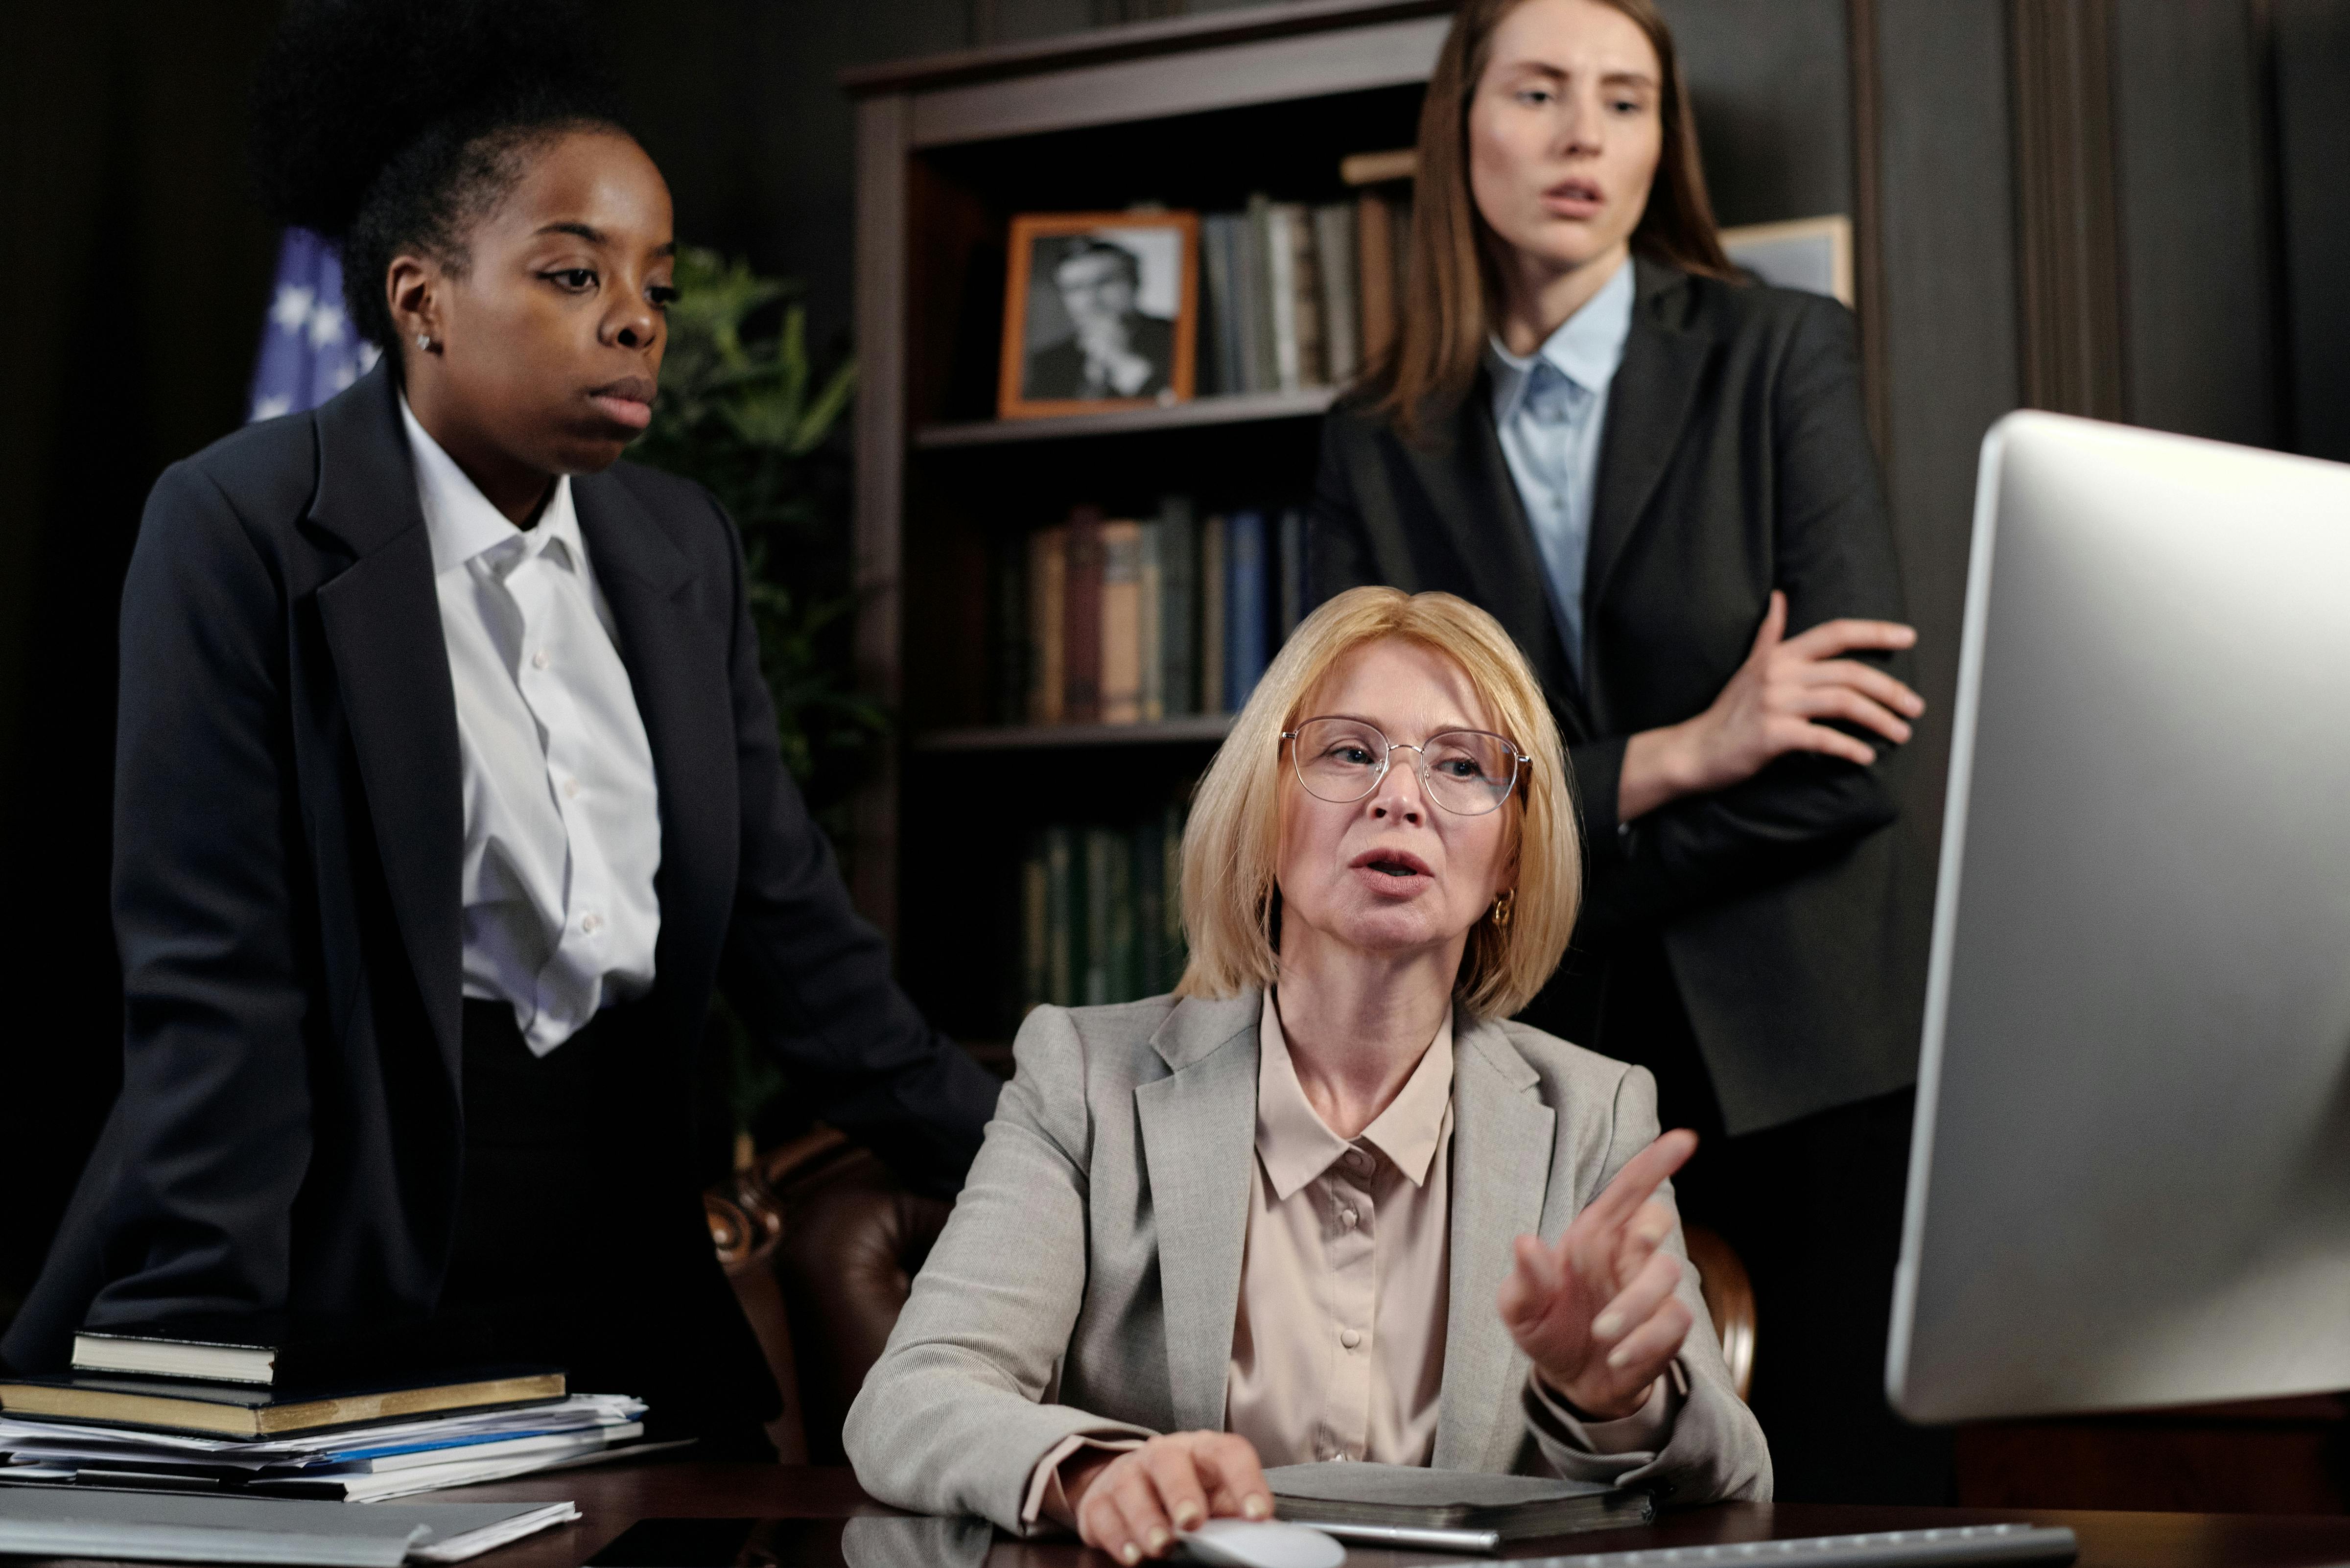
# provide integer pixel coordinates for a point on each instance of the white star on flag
(291, 311)
(326, 325)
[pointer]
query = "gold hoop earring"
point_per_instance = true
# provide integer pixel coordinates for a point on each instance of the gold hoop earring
(1502, 908)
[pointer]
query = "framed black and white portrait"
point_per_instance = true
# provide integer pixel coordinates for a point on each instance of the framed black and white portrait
(1100, 312)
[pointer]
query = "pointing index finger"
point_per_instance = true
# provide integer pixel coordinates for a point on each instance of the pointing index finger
(1641, 1175)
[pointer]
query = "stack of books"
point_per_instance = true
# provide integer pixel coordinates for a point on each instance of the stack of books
(1299, 296)
(1102, 620)
(1101, 914)
(268, 1407)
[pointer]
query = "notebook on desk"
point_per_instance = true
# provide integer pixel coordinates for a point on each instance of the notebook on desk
(1405, 1505)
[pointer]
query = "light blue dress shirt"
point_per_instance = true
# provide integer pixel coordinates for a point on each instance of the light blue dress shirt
(1550, 409)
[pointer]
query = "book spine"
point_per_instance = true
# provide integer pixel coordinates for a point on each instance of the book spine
(1245, 610)
(1223, 319)
(1048, 571)
(1256, 298)
(1098, 853)
(1281, 293)
(1375, 242)
(1170, 846)
(1036, 925)
(1007, 630)
(1062, 961)
(1081, 638)
(1117, 857)
(1306, 285)
(1293, 571)
(1121, 623)
(1150, 976)
(1179, 613)
(1152, 635)
(1334, 243)
(1215, 535)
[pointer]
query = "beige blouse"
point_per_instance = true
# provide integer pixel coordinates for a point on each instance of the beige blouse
(1339, 1339)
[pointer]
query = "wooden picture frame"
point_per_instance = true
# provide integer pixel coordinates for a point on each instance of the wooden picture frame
(1045, 369)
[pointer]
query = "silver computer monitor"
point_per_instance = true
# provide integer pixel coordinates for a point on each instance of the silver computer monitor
(2130, 1182)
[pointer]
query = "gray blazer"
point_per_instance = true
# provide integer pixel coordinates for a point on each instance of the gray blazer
(1090, 1275)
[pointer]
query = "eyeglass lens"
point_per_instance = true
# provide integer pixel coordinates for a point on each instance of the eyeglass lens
(1466, 772)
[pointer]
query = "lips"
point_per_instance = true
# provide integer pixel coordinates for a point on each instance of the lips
(1574, 199)
(1396, 864)
(626, 401)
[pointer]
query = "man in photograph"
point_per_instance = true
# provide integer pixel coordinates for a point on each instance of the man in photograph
(1114, 351)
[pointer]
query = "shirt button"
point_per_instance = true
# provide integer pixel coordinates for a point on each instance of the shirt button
(571, 789)
(1349, 1338)
(1346, 1216)
(539, 661)
(1358, 1161)
(591, 924)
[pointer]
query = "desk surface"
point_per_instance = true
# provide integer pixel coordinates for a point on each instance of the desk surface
(614, 1498)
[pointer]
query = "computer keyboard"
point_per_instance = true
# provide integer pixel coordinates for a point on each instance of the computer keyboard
(1878, 1549)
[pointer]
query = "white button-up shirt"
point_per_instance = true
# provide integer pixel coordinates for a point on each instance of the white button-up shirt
(562, 811)
(1550, 409)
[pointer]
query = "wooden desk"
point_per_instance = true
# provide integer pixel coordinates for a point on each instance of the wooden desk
(614, 1498)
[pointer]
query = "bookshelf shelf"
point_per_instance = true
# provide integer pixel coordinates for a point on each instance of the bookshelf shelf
(974, 860)
(1193, 730)
(1233, 409)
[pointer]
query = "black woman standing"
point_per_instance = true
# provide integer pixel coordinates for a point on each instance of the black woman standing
(447, 788)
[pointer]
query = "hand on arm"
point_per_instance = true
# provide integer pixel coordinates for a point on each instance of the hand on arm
(1596, 1313)
(1132, 1505)
(1774, 705)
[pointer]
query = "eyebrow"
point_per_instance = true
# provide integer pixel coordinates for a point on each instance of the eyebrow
(1635, 78)
(596, 237)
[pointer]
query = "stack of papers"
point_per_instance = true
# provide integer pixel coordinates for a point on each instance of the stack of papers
(363, 1464)
(46, 1523)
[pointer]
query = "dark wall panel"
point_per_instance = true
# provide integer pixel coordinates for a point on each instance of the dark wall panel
(2198, 312)
(2312, 90)
(1951, 335)
(1774, 97)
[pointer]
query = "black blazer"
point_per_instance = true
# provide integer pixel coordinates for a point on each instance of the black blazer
(1735, 460)
(288, 838)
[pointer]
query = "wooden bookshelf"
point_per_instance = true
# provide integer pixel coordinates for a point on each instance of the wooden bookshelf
(1192, 113)
(1226, 409)
(1191, 730)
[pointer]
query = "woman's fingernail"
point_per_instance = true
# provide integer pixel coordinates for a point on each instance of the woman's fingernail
(1159, 1539)
(1129, 1555)
(1187, 1518)
(1608, 1324)
(1619, 1357)
(1258, 1506)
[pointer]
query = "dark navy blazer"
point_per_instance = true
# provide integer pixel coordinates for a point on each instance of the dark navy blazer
(289, 832)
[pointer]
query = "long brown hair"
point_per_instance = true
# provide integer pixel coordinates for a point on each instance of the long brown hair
(1451, 295)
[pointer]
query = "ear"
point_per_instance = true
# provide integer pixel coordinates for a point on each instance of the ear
(414, 288)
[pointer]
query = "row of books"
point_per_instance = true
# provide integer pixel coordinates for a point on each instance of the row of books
(1102, 620)
(1101, 917)
(272, 1407)
(1299, 296)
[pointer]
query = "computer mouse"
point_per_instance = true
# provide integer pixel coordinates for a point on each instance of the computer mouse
(1267, 1543)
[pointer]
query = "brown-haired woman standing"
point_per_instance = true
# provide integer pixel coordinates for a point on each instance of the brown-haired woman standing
(1653, 473)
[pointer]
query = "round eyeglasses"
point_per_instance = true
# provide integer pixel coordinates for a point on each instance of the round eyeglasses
(1467, 772)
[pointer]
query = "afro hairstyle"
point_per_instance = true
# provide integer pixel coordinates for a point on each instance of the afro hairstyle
(397, 125)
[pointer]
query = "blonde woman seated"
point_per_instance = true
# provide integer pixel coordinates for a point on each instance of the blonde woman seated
(1324, 1201)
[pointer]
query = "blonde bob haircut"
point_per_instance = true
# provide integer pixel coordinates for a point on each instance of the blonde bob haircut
(1232, 847)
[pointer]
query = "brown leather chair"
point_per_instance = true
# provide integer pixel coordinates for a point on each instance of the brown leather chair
(822, 1245)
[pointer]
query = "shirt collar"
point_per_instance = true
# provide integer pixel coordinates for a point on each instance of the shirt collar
(1297, 1146)
(459, 520)
(1587, 347)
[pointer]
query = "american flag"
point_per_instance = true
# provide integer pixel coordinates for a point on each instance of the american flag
(308, 349)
